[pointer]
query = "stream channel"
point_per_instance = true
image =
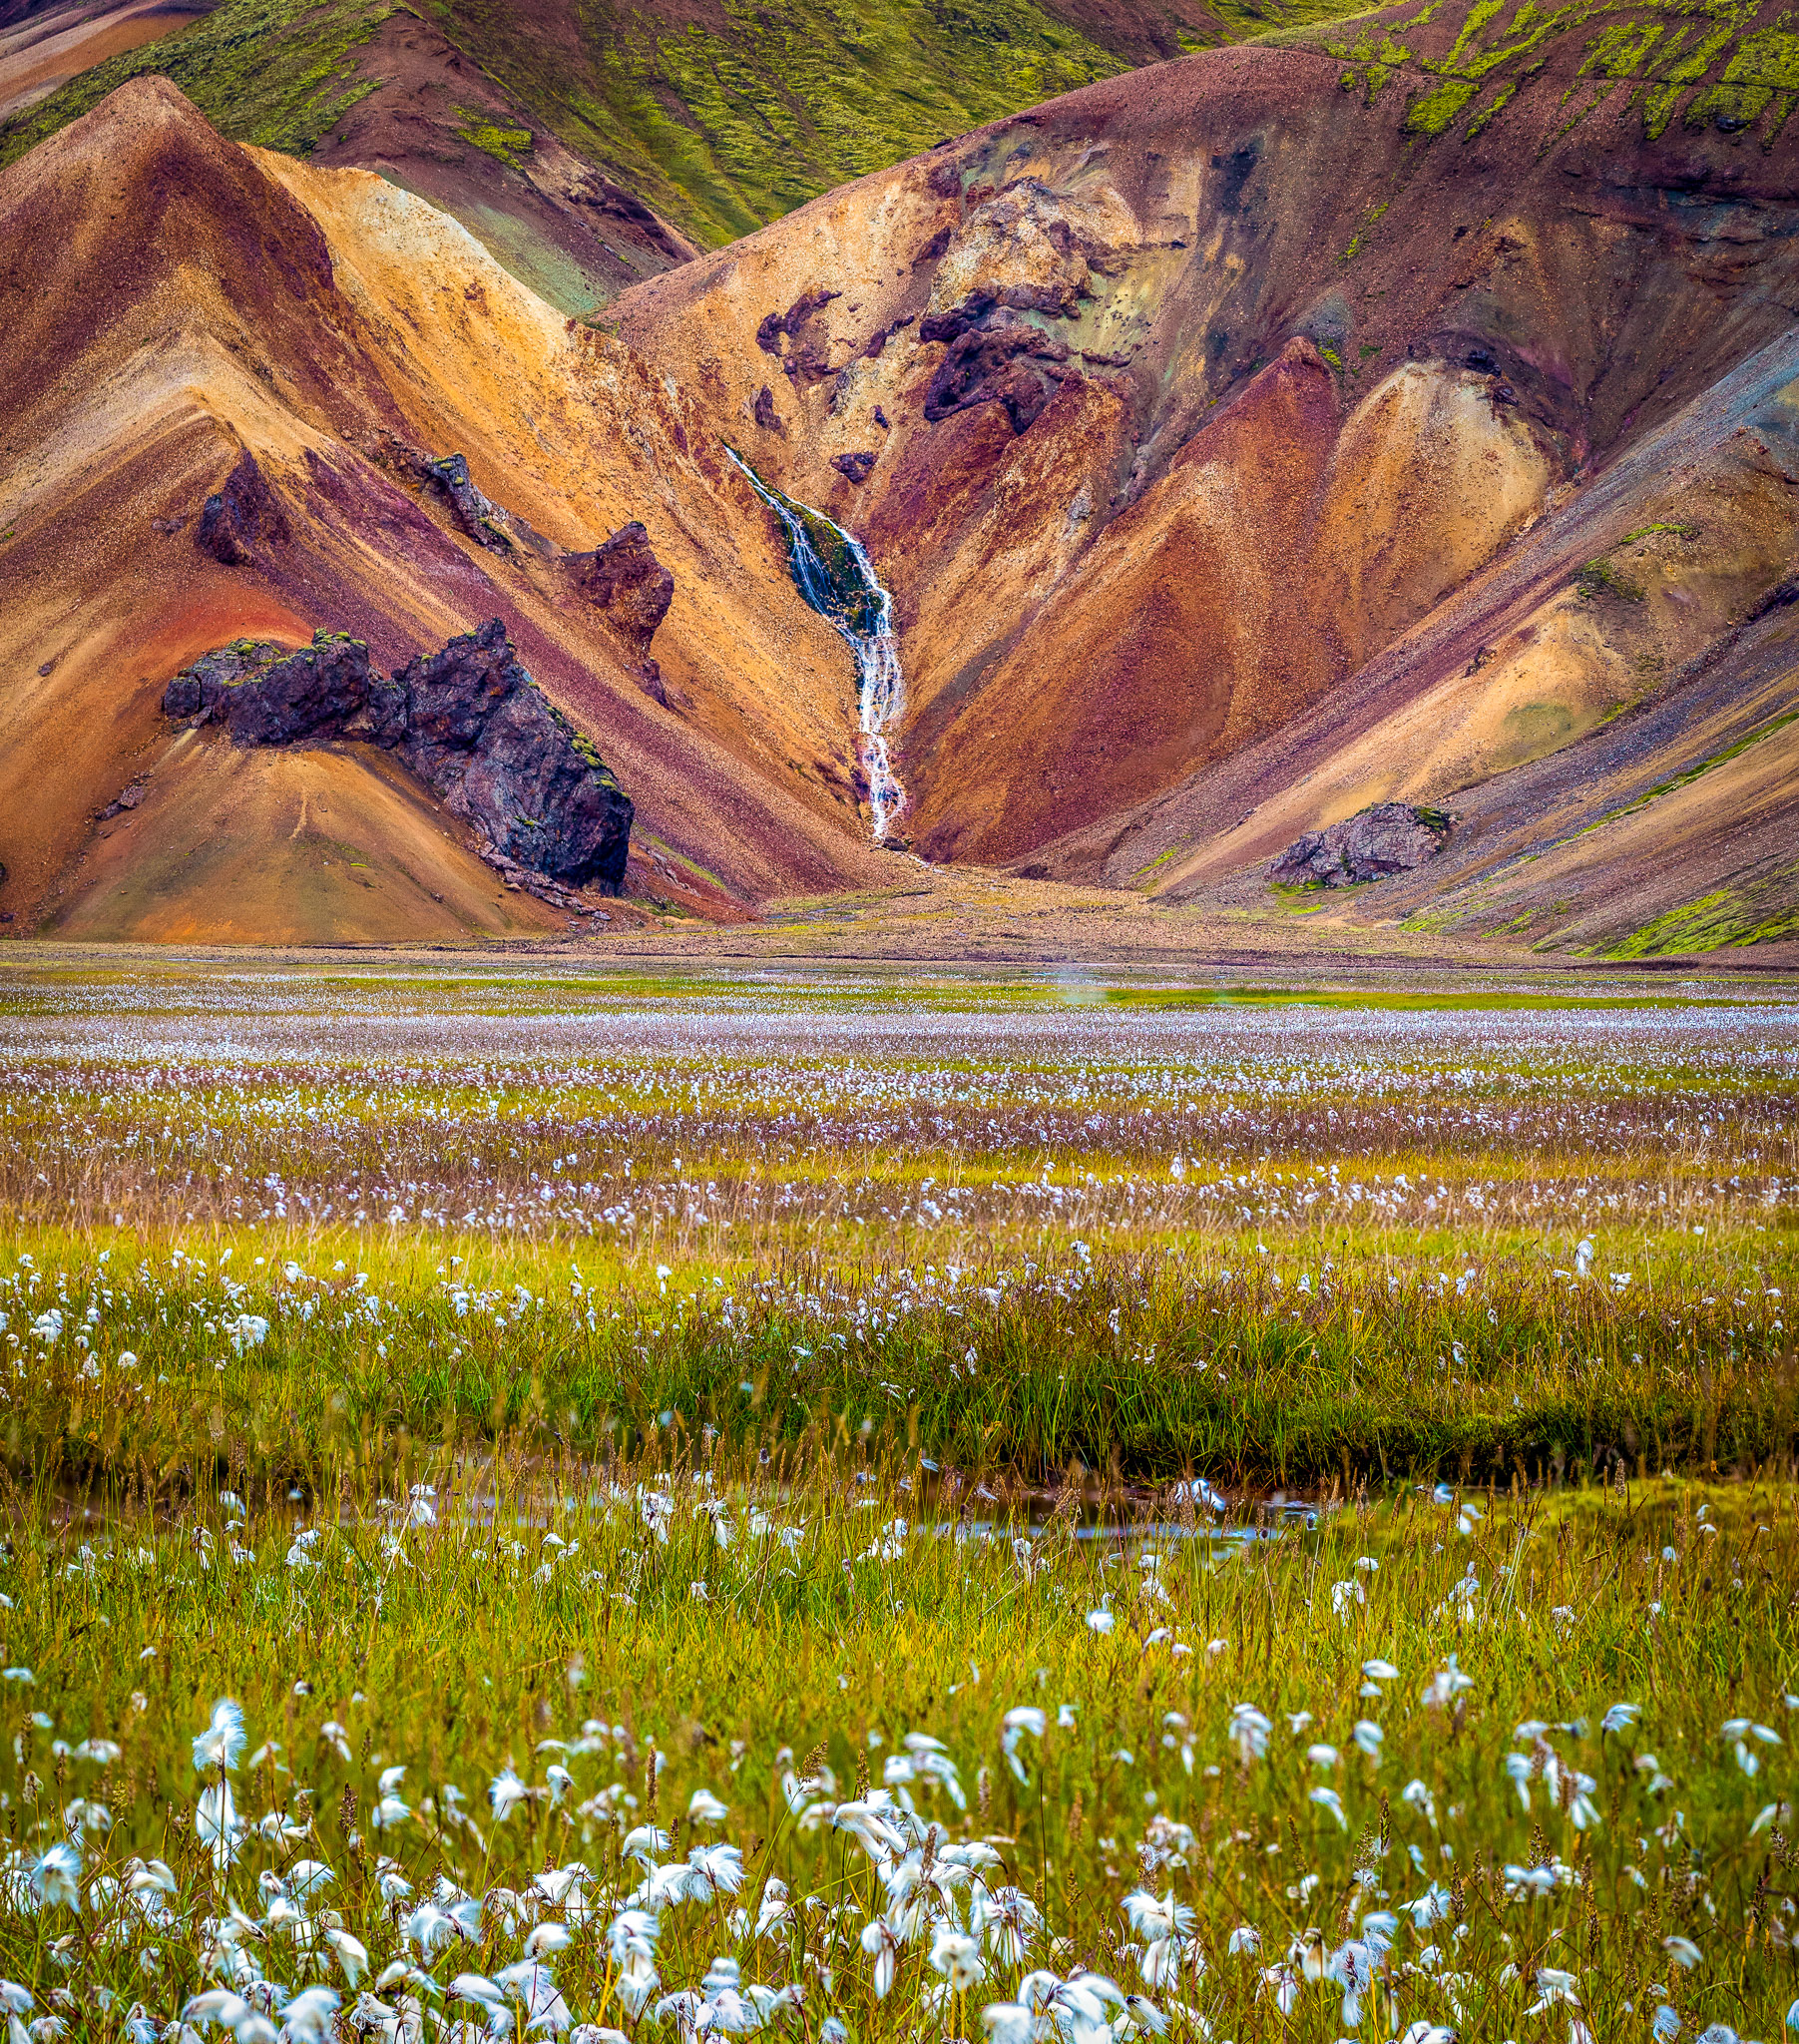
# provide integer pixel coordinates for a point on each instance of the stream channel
(832, 571)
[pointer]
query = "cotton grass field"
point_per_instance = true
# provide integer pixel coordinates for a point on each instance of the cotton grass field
(645, 1509)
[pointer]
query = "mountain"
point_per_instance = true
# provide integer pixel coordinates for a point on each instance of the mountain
(1397, 411)
(364, 84)
(194, 320)
(1405, 412)
(587, 146)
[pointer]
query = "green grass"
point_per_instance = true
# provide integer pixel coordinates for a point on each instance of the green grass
(660, 1633)
(1284, 1369)
(1266, 1235)
(551, 1408)
(277, 73)
(1759, 913)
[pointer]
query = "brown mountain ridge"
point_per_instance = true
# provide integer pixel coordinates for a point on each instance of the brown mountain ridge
(1406, 413)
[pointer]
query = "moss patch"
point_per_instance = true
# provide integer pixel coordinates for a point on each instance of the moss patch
(271, 72)
(505, 144)
(725, 128)
(1601, 578)
(721, 127)
(1708, 62)
(1762, 913)
(1432, 112)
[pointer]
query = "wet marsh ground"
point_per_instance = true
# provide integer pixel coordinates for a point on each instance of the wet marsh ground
(490, 1379)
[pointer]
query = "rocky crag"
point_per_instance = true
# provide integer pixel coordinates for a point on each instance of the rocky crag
(468, 720)
(1382, 839)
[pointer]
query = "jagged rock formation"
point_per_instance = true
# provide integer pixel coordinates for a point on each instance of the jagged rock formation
(266, 695)
(469, 720)
(622, 579)
(626, 583)
(477, 727)
(632, 590)
(473, 512)
(243, 518)
(1384, 838)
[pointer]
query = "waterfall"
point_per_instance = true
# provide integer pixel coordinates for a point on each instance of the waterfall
(832, 571)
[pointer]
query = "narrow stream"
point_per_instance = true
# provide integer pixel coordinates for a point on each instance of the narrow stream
(833, 573)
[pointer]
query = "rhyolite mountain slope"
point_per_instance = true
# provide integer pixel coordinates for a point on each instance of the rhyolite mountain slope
(584, 144)
(1402, 412)
(1406, 412)
(362, 83)
(191, 318)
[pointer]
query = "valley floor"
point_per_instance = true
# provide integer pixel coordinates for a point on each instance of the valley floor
(976, 919)
(655, 1494)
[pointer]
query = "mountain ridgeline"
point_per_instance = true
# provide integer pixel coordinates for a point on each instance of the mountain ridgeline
(1394, 419)
(587, 147)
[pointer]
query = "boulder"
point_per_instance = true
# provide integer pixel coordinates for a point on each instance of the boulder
(627, 583)
(857, 468)
(1387, 837)
(270, 695)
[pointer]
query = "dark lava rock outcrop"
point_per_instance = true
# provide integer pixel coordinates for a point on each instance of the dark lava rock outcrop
(474, 512)
(632, 590)
(995, 356)
(799, 339)
(241, 518)
(1387, 837)
(501, 754)
(625, 580)
(469, 720)
(266, 695)
(488, 524)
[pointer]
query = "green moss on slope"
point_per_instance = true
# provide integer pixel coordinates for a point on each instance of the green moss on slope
(278, 73)
(722, 125)
(1705, 60)
(726, 128)
(1765, 913)
(505, 144)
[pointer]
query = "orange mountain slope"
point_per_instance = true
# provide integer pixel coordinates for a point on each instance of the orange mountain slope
(173, 301)
(1405, 413)
(1238, 432)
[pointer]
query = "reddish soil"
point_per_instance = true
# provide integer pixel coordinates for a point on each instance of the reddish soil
(46, 50)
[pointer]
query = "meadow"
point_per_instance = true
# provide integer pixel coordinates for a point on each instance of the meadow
(662, 1510)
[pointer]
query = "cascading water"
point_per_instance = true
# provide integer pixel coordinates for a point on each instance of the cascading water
(831, 570)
